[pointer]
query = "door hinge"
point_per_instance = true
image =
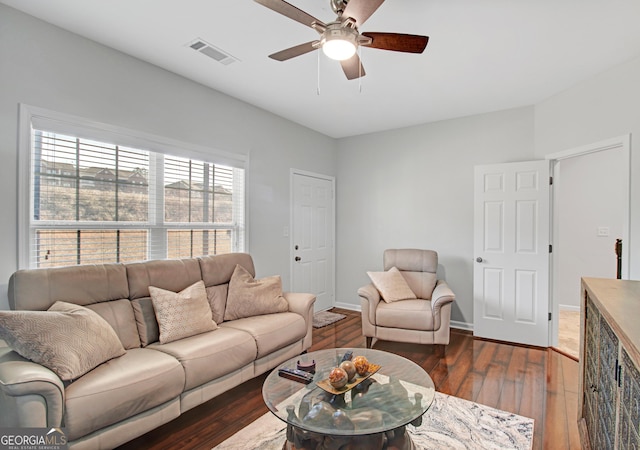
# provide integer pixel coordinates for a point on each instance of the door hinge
(550, 181)
(550, 248)
(549, 316)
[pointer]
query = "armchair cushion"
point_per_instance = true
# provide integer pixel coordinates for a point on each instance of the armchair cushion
(413, 314)
(391, 285)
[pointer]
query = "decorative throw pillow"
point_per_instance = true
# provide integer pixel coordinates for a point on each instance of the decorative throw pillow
(391, 285)
(68, 339)
(146, 320)
(250, 297)
(217, 296)
(182, 314)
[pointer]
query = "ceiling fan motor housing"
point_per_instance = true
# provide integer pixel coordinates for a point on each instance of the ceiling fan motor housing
(338, 6)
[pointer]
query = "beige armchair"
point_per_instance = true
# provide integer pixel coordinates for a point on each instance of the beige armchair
(424, 320)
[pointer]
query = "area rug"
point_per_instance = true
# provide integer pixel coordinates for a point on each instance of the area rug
(324, 318)
(450, 423)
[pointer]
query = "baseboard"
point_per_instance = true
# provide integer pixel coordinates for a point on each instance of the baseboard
(452, 323)
(349, 306)
(568, 308)
(461, 325)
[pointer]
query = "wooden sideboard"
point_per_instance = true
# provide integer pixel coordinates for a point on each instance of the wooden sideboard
(609, 383)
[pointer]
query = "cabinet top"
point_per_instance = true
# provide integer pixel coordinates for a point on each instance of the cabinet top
(619, 302)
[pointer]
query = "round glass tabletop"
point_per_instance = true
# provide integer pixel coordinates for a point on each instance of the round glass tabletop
(397, 394)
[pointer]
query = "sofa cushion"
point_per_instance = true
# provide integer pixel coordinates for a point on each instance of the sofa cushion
(146, 320)
(123, 387)
(406, 314)
(218, 269)
(119, 314)
(208, 356)
(182, 314)
(271, 331)
(391, 285)
(170, 274)
(217, 296)
(68, 339)
(38, 289)
(250, 297)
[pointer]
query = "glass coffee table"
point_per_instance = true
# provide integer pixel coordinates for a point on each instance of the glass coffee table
(372, 415)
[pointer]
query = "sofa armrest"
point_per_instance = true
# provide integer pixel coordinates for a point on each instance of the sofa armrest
(370, 297)
(442, 294)
(30, 394)
(302, 304)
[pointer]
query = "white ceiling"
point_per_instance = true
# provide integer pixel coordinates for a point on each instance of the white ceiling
(482, 56)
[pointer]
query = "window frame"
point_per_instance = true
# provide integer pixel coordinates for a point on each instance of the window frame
(31, 117)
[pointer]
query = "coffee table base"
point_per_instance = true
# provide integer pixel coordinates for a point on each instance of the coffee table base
(298, 439)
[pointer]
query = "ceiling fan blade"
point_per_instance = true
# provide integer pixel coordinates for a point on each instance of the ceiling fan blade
(352, 67)
(410, 43)
(290, 11)
(361, 10)
(292, 52)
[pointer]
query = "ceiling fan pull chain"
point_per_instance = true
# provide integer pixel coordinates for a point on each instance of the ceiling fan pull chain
(360, 69)
(318, 85)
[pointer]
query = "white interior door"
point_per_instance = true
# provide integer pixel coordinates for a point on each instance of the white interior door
(511, 243)
(313, 237)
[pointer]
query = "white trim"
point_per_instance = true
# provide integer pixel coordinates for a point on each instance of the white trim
(24, 186)
(607, 144)
(332, 179)
(33, 116)
(452, 323)
(623, 142)
(461, 325)
(67, 123)
(568, 308)
(347, 306)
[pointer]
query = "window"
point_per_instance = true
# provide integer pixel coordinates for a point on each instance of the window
(93, 201)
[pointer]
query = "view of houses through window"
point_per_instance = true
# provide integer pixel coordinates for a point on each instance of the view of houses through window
(95, 202)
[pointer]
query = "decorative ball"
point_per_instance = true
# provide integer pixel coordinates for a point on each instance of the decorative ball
(338, 377)
(362, 365)
(350, 368)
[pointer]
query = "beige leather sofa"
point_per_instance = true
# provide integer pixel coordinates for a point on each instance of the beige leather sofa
(424, 320)
(152, 383)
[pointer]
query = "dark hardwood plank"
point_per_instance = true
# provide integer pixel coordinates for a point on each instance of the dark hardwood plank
(533, 382)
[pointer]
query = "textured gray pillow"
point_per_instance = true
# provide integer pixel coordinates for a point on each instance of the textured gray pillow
(182, 314)
(217, 296)
(249, 297)
(68, 339)
(391, 285)
(146, 320)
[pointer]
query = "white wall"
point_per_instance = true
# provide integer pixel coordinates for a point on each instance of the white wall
(603, 107)
(42, 65)
(413, 188)
(589, 195)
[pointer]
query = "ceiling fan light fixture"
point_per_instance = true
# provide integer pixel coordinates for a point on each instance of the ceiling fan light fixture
(339, 41)
(339, 49)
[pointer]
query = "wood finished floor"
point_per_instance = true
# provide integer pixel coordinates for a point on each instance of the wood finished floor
(533, 382)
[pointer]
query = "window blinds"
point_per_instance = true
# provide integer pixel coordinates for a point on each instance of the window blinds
(96, 202)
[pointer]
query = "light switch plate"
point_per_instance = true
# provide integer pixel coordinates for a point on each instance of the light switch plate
(603, 231)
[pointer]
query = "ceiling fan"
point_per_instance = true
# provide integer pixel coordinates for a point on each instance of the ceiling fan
(340, 39)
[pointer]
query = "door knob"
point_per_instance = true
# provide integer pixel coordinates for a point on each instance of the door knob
(478, 259)
(297, 258)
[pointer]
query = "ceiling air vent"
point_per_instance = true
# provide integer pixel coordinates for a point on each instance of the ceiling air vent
(212, 52)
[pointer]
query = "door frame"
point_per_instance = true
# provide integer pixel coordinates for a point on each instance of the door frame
(620, 142)
(292, 173)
